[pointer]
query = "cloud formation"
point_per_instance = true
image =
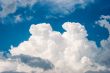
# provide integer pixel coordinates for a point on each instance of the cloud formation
(55, 6)
(24, 64)
(10, 6)
(65, 6)
(69, 52)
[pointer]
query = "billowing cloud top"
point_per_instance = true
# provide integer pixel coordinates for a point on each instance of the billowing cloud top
(49, 51)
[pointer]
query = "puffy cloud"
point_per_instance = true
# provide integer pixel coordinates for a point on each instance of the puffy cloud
(24, 64)
(103, 56)
(105, 44)
(49, 51)
(33, 61)
(5, 65)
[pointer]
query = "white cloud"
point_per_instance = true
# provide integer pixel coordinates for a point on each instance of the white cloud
(104, 22)
(5, 65)
(55, 6)
(24, 63)
(10, 6)
(105, 17)
(69, 52)
(65, 6)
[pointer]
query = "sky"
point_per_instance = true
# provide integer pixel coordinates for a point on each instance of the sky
(49, 36)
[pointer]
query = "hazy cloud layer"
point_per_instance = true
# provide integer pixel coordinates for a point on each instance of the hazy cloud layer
(55, 6)
(69, 52)
(10, 6)
(12, 72)
(65, 6)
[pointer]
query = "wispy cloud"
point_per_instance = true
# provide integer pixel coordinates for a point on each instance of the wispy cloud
(65, 7)
(10, 6)
(55, 6)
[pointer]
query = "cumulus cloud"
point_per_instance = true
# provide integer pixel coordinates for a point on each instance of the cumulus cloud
(34, 61)
(48, 51)
(55, 6)
(105, 44)
(24, 64)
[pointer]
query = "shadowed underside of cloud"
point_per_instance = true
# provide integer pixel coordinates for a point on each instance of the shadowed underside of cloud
(12, 72)
(49, 51)
(14, 63)
(55, 6)
(34, 61)
(98, 72)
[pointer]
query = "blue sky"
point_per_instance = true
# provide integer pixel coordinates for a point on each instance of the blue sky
(12, 33)
(54, 36)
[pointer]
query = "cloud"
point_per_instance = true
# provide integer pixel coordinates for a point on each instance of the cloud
(104, 22)
(12, 72)
(18, 18)
(98, 72)
(9, 10)
(54, 6)
(34, 61)
(24, 64)
(10, 6)
(65, 6)
(48, 51)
